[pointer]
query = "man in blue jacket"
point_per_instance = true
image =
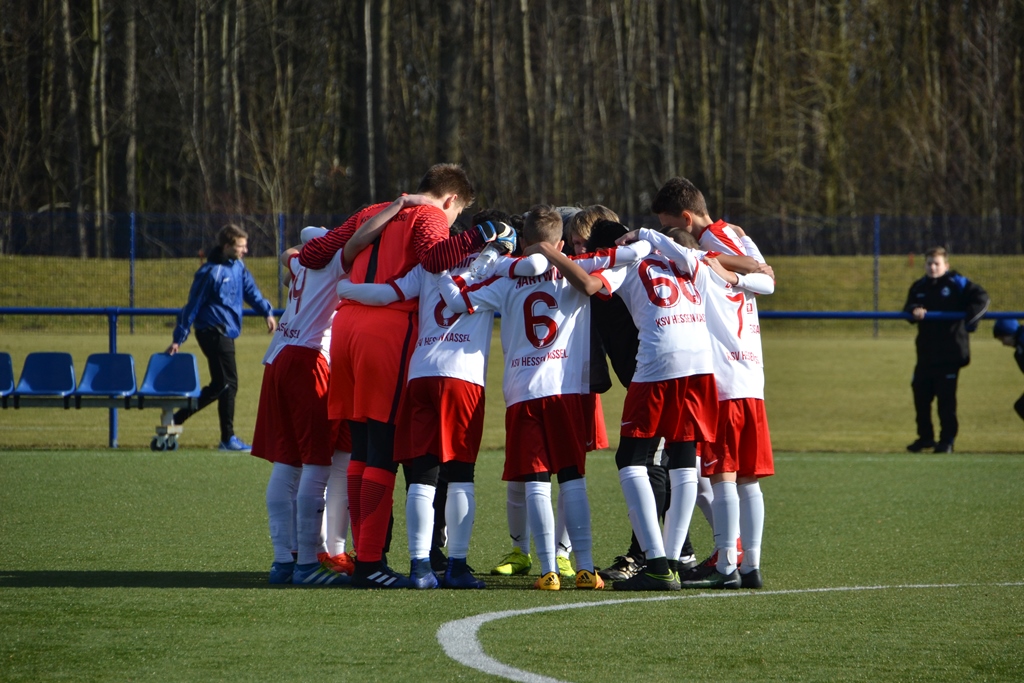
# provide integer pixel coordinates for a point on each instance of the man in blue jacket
(215, 307)
(942, 345)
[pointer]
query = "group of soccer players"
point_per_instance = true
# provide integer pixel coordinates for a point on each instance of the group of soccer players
(397, 377)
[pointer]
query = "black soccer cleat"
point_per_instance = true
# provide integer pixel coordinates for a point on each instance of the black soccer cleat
(710, 577)
(644, 581)
(624, 567)
(944, 447)
(920, 445)
(751, 579)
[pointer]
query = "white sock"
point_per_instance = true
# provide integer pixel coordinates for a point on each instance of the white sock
(677, 517)
(459, 514)
(704, 497)
(643, 511)
(727, 525)
(336, 518)
(577, 521)
(281, 490)
(751, 524)
(515, 509)
(309, 512)
(563, 541)
(419, 519)
(542, 523)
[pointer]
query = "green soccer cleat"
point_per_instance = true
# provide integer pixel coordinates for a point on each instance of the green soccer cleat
(751, 579)
(565, 569)
(645, 581)
(516, 562)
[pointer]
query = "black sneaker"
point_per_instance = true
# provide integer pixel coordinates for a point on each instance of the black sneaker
(751, 579)
(378, 575)
(944, 447)
(624, 567)
(648, 582)
(920, 445)
(687, 562)
(709, 577)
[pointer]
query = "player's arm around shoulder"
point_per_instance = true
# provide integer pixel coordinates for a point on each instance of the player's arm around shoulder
(572, 272)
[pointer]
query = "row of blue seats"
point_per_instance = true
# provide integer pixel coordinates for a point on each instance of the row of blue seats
(48, 380)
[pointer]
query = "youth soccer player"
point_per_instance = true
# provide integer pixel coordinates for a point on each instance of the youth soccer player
(544, 337)
(741, 454)
(440, 418)
(373, 345)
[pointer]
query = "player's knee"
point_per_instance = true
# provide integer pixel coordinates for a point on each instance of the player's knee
(459, 472)
(681, 454)
(569, 474)
(422, 470)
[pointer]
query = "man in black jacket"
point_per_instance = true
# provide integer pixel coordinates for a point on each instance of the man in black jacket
(942, 345)
(1011, 333)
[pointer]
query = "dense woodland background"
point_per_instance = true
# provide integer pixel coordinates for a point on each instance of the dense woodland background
(826, 111)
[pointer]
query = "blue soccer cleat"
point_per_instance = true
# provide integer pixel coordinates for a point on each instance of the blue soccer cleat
(319, 575)
(421, 575)
(235, 444)
(281, 572)
(458, 576)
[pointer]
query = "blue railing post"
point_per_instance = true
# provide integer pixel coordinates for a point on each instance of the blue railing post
(112, 345)
(878, 253)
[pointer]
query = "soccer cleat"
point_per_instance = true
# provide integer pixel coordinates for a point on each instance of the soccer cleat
(281, 572)
(318, 574)
(565, 569)
(516, 562)
(343, 563)
(548, 582)
(235, 444)
(421, 575)
(751, 579)
(709, 577)
(920, 445)
(378, 575)
(944, 447)
(624, 567)
(589, 580)
(687, 562)
(458, 575)
(644, 581)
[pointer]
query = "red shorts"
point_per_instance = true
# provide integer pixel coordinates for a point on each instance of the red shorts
(743, 444)
(596, 431)
(343, 438)
(442, 416)
(370, 350)
(545, 435)
(292, 426)
(680, 409)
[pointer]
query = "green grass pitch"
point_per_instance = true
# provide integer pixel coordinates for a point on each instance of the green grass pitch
(130, 565)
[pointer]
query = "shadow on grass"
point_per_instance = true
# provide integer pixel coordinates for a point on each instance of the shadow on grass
(149, 579)
(109, 579)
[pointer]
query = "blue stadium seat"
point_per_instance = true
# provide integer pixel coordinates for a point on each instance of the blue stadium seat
(108, 374)
(6, 377)
(167, 375)
(47, 374)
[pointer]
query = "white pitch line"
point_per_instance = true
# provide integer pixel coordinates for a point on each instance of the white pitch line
(460, 642)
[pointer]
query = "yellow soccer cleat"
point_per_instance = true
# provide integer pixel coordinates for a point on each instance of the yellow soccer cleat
(589, 580)
(516, 562)
(565, 569)
(548, 582)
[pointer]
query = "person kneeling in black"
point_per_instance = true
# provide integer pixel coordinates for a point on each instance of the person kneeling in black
(942, 345)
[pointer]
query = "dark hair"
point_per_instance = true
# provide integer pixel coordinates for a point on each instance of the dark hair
(230, 234)
(937, 251)
(683, 238)
(678, 195)
(493, 215)
(445, 179)
(604, 233)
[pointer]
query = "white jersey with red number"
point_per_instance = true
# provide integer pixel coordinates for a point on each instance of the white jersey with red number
(312, 300)
(664, 297)
(735, 339)
(450, 344)
(720, 237)
(545, 328)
